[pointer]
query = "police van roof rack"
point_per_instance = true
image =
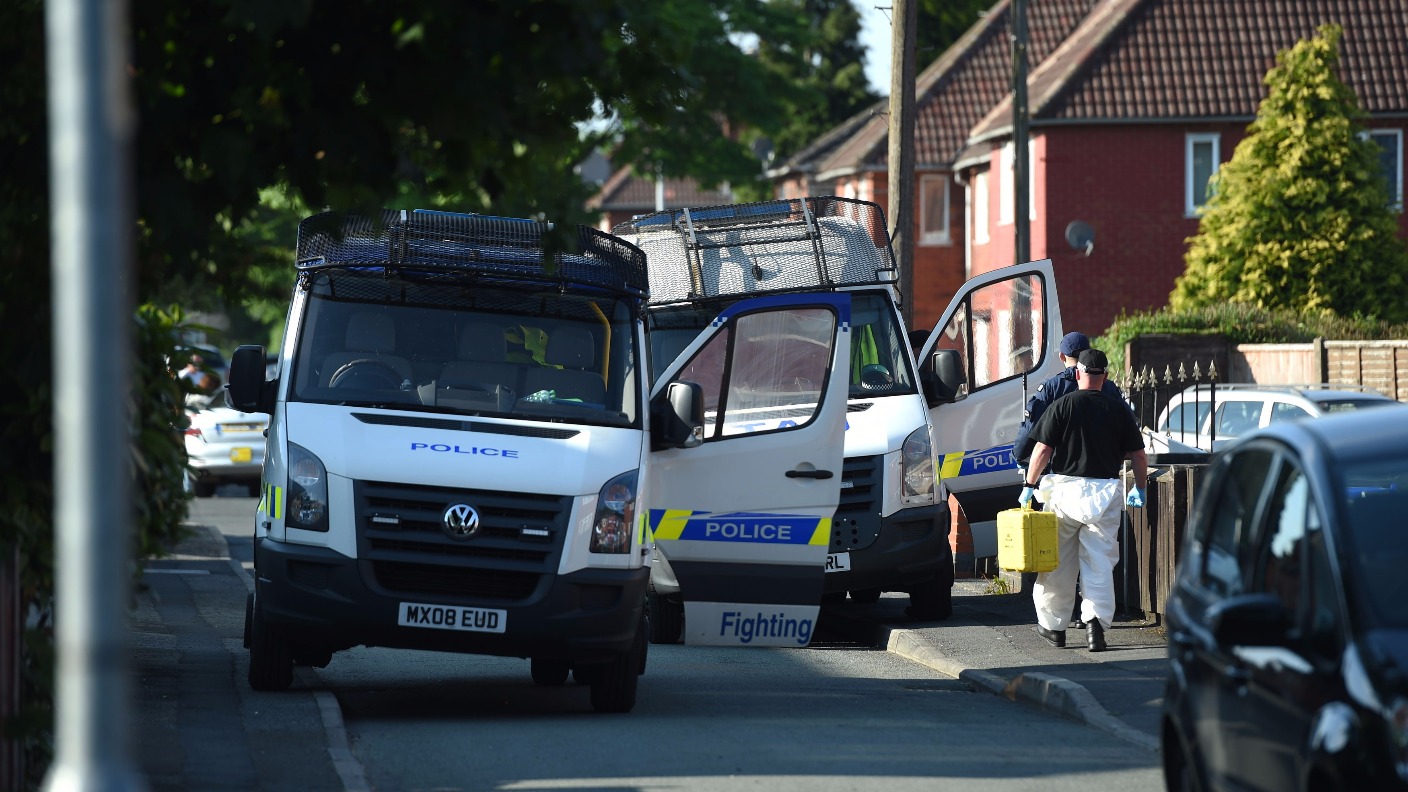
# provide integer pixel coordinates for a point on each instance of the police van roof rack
(503, 248)
(700, 253)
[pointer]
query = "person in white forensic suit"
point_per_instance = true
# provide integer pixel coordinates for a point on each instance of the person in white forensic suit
(1085, 437)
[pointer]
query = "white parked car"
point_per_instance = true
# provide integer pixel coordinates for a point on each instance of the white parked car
(223, 446)
(1210, 418)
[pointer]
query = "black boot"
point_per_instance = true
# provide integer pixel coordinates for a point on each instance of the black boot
(1056, 638)
(1095, 635)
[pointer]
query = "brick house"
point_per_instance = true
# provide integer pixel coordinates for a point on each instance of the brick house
(1132, 104)
(624, 195)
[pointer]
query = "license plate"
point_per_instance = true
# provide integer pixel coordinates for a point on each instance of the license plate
(838, 562)
(447, 617)
(241, 454)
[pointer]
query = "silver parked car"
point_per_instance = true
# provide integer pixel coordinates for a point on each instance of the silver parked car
(223, 446)
(1210, 419)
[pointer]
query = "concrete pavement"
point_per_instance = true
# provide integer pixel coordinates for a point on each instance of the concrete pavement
(197, 724)
(989, 642)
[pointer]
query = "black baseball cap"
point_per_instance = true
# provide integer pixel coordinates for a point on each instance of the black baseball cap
(1092, 361)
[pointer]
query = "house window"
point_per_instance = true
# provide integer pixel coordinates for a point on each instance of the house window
(1202, 158)
(980, 208)
(933, 210)
(1391, 161)
(1007, 180)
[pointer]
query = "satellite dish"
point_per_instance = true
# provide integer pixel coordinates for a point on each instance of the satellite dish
(1080, 236)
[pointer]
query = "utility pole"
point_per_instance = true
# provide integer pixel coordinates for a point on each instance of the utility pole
(901, 155)
(91, 123)
(1021, 164)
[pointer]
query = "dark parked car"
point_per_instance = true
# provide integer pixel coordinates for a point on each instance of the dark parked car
(1288, 619)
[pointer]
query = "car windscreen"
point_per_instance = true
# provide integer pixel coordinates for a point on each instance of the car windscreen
(448, 345)
(879, 364)
(1376, 530)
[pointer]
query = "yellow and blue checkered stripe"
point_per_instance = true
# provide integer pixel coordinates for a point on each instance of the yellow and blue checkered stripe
(987, 460)
(790, 529)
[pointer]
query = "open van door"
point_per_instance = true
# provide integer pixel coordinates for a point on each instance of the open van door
(743, 517)
(994, 345)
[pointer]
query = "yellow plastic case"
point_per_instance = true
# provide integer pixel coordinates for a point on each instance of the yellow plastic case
(1026, 540)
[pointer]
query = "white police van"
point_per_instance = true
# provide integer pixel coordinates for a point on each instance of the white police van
(466, 453)
(892, 526)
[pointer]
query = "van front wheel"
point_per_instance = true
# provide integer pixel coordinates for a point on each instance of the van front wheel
(614, 687)
(270, 658)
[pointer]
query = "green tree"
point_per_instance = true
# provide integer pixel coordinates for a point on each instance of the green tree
(251, 112)
(941, 23)
(1300, 216)
(823, 62)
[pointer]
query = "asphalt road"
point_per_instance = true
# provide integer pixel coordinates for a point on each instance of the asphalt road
(836, 716)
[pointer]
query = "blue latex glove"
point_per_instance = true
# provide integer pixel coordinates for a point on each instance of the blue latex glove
(1135, 498)
(1025, 498)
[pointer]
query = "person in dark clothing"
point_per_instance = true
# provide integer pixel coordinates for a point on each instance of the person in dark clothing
(1085, 436)
(1054, 388)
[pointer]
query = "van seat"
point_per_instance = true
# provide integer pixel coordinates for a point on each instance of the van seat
(574, 349)
(482, 359)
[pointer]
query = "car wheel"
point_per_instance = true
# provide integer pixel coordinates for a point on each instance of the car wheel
(866, 596)
(614, 690)
(203, 489)
(1179, 774)
(548, 673)
(666, 618)
(270, 659)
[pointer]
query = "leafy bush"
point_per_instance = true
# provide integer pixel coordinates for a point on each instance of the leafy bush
(158, 456)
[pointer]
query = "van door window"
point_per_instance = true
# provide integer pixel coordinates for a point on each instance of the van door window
(781, 362)
(999, 331)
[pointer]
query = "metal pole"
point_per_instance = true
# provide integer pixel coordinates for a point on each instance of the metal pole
(90, 128)
(1021, 165)
(901, 152)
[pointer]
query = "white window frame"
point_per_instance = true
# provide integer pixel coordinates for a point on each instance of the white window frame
(980, 208)
(934, 182)
(1192, 203)
(1007, 182)
(1395, 184)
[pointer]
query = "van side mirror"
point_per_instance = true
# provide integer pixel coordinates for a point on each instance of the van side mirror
(941, 376)
(247, 391)
(677, 417)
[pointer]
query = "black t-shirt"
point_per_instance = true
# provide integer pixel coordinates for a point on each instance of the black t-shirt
(1090, 433)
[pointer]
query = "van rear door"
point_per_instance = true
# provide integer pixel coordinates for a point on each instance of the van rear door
(744, 518)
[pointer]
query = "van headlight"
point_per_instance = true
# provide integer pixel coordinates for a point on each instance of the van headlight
(917, 468)
(307, 490)
(614, 526)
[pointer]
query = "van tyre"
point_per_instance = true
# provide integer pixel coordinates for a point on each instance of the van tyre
(270, 658)
(932, 600)
(666, 618)
(614, 690)
(548, 672)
